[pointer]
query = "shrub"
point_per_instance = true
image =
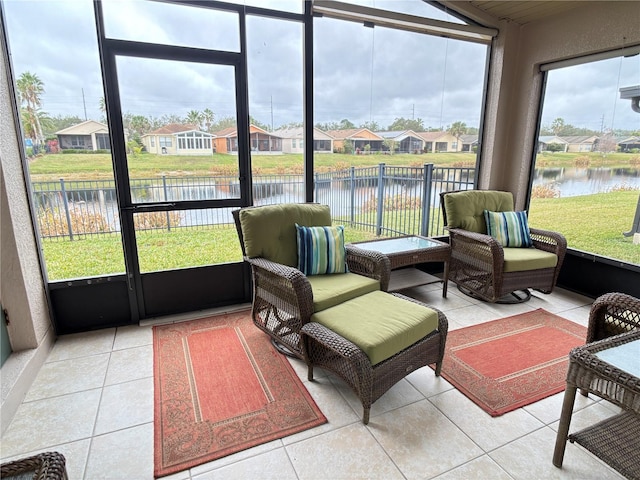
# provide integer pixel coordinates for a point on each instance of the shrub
(156, 220)
(635, 160)
(545, 191)
(582, 161)
(623, 188)
(391, 204)
(54, 223)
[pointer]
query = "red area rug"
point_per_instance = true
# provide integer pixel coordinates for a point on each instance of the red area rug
(512, 362)
(221, 387)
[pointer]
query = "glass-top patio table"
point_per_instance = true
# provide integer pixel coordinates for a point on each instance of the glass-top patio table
(609, 369)
(411, 250)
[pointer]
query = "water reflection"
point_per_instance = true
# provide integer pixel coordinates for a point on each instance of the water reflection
(571, 181)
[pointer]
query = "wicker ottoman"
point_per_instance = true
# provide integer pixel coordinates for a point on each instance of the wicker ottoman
(323, 347)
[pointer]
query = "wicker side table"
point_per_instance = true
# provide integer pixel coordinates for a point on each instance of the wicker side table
(609, 369)
(44, 466)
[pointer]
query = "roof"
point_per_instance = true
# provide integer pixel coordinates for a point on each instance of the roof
(431, 136)
(85, 128)
(550, 139)
(398, 135)
(350, 133)
(579, 138)
(232, 132)
(467, 138)
(172, 128)
(298, 132)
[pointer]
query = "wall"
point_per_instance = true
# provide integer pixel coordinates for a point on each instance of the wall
(22, 290)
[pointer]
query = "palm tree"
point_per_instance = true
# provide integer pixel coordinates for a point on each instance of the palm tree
(30, 88)
(102, 105)
(457, 129)
(194, 117)
(208, 116)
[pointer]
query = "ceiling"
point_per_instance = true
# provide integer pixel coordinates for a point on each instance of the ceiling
(522, 12)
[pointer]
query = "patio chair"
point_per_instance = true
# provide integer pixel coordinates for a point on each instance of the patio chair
(612, 314)
(285, 298)
(501, 260)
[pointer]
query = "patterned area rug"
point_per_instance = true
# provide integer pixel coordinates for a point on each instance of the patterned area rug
(512, 362)
(221, 387)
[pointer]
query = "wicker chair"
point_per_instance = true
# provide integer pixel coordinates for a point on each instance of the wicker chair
(283, 297)
(480, 266)
(612, 314)
(43, 466)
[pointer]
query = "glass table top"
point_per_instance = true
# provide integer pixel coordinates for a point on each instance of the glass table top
(398, 245)
(625, 357)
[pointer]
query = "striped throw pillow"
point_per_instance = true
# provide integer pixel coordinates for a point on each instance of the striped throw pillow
(510, 229)
(321, 250)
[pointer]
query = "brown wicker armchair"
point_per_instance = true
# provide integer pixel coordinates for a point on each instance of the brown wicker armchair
(283, 297)
(612, 314)
(481, 267)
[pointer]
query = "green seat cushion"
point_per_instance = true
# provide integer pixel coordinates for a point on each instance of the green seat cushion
(332, 289)
(522, 259)
(465, 210)
(380, 324)
(270, 231)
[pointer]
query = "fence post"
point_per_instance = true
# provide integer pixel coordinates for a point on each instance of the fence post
(67, 213)
(380, 199)
(427, 177)
(166, 199)
(352, 194)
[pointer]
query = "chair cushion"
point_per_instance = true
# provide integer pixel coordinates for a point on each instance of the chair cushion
(270, 231)
(466, 209)
(511, 229)
(321, 250)
(380, 324)
(522, 259)
(330, 290)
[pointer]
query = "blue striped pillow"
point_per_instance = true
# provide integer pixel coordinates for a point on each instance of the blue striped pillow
(321, 250)
(510, 229)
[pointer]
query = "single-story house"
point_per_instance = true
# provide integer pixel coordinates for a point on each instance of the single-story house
(359, 137)
(468, 142)
(261, 141)
(88, 135)
(407, 141)
(580, 143)
(178, 139)
(439, 142)
(293, 140)
(545, 140)
(628, 144)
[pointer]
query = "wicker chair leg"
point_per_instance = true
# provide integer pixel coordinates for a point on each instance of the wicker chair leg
(365, 415)
(438, 368)
(310, 372)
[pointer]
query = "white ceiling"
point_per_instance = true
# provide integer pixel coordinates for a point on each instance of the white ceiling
(521, 12)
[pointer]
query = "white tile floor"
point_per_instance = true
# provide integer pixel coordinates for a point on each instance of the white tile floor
(93, 402)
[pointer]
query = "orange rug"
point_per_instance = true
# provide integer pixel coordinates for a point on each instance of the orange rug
(221, 387)
(512, 362)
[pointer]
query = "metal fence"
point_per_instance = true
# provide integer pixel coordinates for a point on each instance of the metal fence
(385, 200)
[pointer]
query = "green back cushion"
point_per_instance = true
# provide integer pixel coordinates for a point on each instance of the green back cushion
(466, 209)
(331, 290)
(321, 250)
(385, 324)
(270, 231)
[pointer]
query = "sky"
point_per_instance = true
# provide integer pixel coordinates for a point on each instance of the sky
(360, 74)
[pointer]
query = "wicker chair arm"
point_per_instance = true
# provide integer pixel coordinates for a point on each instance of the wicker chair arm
(288, 284)
(549, 241)
(612, 314)
(477, 248)
(335, 343)
(370, 264)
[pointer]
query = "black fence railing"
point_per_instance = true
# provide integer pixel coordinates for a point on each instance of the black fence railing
(385, 200)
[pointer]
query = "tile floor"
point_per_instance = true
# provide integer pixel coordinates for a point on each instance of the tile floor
(93, 402)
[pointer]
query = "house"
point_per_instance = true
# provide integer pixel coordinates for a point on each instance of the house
(88, 135)
(629, 144)
(261, 141)
(469, 143)
(559, 144)
(580, 143)
(359, 138)
(178, 139)
(439, 142)
(293, 140)
(407, 141)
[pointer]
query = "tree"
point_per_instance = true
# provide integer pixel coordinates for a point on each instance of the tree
(59, 122)
(346, 125)
(372, 125)
(457, 129)
(223, 123)
(606, 144)
(102, 106)
(30, 88)
(400, 124)
(208, 116)
(390, 143)
(348, 146)
(194, 117)
(558, 126)
(257, 123)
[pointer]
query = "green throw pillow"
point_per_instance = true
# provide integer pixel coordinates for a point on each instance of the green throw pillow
(510, 229)
(321, 250)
